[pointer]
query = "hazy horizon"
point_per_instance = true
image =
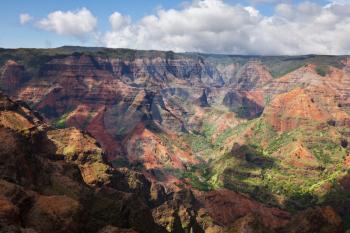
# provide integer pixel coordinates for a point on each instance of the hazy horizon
(185, 52)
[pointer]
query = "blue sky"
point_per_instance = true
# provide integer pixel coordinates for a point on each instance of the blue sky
(13, 34)
(263, 20)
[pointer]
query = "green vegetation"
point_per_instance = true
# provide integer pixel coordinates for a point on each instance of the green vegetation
(200, 145)
(263, 166)
(208, 129)
(281, 65)
(60, 123)
(322, 70)
(197, 182)
(32, 59)
(198, 177)
(251, 157)
(280, 140)
(69, 151)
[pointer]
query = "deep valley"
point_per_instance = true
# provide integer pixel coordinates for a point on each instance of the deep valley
(119, 140)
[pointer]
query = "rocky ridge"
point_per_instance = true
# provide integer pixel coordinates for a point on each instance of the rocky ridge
(56, 180)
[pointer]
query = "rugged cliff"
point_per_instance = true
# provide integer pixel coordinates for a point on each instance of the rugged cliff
(274, 128)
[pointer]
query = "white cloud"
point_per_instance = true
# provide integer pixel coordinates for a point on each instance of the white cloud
(343, 2)
(118, 21)
(79, 23)
(219, 27)
(25, 18)
(254, 2)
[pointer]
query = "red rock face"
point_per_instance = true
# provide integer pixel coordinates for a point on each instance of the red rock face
(252, 76)
(327, 219)
(87, 91)
(156, 112)
(308, 96)
(226, 206)
(292, 109)
(145, 146)
(93, 91)
(13, 76)
(49, 180)
(304, 76)
(98, 130)
(111, 98)
(158, 72)
(246, 97)
(68, 185)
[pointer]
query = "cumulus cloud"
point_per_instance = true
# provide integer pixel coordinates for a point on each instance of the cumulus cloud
(343, 2)
(79, 23)
(25, 18)
(118, 21)
(254, 2)
(219, 27)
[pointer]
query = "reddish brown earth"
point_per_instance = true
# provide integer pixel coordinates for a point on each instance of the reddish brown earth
(300, 157)
(152, 112)
(153, 152)
(226, 206)
(329, 95)
(97, 129)
(49, 189)
(48, 178)
(92, 91)
(290, 110)
(253, 75)
(13, 76)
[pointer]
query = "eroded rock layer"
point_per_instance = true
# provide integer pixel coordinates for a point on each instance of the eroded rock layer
(152, 125)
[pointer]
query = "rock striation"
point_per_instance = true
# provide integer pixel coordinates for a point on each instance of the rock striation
(126, 137)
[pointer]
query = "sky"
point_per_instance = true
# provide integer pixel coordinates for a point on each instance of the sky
(260, 27)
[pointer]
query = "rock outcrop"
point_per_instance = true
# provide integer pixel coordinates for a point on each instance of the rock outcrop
(49, 179)
(293, 109)
(13, 76)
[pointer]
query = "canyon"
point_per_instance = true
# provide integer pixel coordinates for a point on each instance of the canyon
(119, 140)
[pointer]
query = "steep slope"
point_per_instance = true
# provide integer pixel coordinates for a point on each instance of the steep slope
(48, 179)
(55, 180)
(13, 76)
(275, 128)
(293, 109)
